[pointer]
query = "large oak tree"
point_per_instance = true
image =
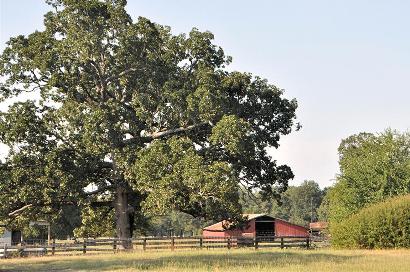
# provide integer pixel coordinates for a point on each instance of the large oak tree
(132, 119)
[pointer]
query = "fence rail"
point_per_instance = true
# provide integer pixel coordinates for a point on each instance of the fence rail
(151, 243)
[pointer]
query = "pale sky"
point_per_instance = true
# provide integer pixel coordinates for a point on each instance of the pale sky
(346, 62)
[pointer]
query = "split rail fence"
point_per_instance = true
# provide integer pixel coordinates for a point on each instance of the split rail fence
(151, 243)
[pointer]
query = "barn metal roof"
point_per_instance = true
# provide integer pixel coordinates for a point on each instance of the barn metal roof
(318, 225)
(220, 225)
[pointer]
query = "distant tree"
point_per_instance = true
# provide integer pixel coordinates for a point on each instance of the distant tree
(298, 204)
(372, 169)
(132, 121)
(253, 203)
(323, 210)
(177, 224)
(68, 219)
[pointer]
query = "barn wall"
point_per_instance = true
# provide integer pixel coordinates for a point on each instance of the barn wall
(207, 233)
(283, 228)
(5, 238)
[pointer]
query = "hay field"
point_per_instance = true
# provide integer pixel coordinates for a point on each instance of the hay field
(236, 260)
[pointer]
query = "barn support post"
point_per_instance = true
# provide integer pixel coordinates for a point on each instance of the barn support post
(282, 245)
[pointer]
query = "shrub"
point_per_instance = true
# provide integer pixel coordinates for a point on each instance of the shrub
(382, 225)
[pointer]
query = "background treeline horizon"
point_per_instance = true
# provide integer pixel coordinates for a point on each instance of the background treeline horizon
(300, 204)
(367, 206)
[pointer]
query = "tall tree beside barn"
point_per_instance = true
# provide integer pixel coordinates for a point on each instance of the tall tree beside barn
(132, 119)
(373, 168)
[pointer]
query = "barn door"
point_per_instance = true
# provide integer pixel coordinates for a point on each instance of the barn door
(265, 226)
(15, 237)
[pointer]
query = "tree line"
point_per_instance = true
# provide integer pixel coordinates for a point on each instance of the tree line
(299, 204)
(373, 168)
(364, 206)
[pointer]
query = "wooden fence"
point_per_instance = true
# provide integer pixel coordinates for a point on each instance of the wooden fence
(151, 243)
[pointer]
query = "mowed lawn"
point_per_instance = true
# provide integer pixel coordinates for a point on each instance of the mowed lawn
(221, 260)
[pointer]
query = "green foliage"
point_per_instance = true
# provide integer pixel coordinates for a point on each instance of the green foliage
(230, 133)
(176, 223)
(182, 178)
(372, 168)
(68, 219)
(298, 203)
(132, 118)
(323, 210)
(381, 225)
(302, 202)
(96, 223)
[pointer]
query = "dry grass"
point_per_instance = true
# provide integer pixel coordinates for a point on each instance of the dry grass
(222, 260)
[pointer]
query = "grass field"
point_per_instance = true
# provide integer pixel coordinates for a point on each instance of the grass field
(221, 260)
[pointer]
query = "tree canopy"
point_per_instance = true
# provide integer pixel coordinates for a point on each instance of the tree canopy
(134, 120)
(372, 169)
(299, 204)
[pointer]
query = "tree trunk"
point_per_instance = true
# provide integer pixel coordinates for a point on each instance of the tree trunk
(123, 210)
(123, 218)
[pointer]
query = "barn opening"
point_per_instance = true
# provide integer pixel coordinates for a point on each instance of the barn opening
(15, 237)
(265, 226)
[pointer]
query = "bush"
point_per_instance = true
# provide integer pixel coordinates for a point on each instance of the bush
(381, 225)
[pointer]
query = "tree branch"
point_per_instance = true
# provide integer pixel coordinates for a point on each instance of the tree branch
(108, 79)
(99, 190)
(165, 133)
(174, 131)
(106, 164)
(20, 209)
(98, 204)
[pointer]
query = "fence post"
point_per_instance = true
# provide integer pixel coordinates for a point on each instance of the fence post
(5, 251)
(53, 247)
(114, 246)
(200, 242)
(281, 243)
(172, 243)
(144, 244)
(85, 246)
(307, 243)
(255, 241)
(229, 243)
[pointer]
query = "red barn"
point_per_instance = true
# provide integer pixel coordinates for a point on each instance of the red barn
(257, 225)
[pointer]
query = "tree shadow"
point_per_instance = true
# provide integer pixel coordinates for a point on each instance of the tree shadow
(242, 259)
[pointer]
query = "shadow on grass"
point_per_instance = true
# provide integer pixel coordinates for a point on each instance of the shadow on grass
(241, 259)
